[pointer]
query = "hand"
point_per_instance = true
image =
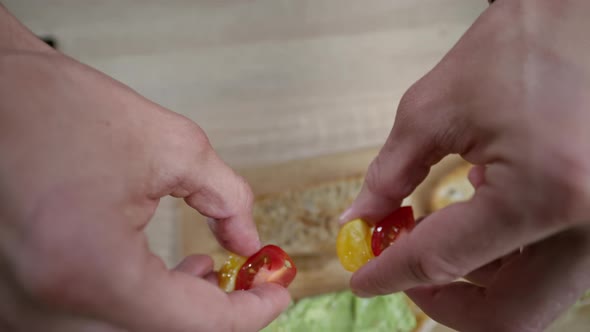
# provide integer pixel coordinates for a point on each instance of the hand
(84, 163)
(512, 97)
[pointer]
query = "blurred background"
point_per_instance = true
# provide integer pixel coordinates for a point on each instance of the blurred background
(268, 80)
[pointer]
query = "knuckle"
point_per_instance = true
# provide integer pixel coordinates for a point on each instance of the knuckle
(380, 283)
(424, 116)
(417, 100)
(427, 269)
(184, 147)
(197, 135)
(245, 192)
(410, 105)
(413, 98)
(380, 180)
(374, 178)
(189, 140)
(391, 181)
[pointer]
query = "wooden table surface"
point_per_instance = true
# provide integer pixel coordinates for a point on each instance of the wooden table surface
(268, 80)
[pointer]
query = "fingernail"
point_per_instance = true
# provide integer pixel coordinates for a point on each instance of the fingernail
(346, 216)
(257, 242)
(253, 245)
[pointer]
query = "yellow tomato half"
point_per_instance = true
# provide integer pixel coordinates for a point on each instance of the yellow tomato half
(353, 244)
(229, 271)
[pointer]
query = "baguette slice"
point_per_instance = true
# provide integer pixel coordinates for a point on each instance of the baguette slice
(452, 188)
(305, 222)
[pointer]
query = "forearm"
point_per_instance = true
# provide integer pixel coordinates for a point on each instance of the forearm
(14, 36)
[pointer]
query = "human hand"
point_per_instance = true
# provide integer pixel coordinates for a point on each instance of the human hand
(84, 163)
(512, 97)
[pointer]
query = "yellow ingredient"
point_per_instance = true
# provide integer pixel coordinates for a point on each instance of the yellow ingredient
(353, 244)
(229, 271)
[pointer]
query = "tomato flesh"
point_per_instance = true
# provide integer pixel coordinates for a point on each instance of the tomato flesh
(353, 245)
(387, 230)
(228, 272)
(269, 264)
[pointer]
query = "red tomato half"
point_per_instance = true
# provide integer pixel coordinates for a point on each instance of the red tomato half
(269, 264)
(388, 229)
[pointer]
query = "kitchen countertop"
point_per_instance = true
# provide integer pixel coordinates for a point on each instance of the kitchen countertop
(268, 80)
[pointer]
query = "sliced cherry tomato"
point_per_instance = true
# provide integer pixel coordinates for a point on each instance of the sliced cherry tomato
(229, 271)
(269, 264)
(388, 229)
(353, 245)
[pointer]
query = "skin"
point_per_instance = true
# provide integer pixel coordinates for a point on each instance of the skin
(512, 97)
(84, 163)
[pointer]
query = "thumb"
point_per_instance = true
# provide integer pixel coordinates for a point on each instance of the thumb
(165, 300)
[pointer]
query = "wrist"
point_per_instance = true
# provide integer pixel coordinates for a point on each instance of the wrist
(14, 36)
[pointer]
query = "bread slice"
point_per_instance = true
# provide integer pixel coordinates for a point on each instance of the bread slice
(452, 188)
(305, 221)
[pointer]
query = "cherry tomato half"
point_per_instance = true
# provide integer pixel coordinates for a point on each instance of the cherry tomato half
(229, 271)
(269, 264)
(387, 230)
(353, 245)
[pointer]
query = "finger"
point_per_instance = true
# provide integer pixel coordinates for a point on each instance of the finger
(212, 277)
(56, 323)
(239, 311)
(450, 243)
(477, 176)
(157, 299)
(530, 291)
(485, 275)
(436, 302)
(419, 219)
(226, 199)
(261, 305)
(208, 185)
(196, 265)
(421, 136)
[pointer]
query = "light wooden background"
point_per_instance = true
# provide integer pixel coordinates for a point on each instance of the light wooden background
(268, 80)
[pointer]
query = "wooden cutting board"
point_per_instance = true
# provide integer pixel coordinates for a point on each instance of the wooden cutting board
(322, 273)
(316, 274)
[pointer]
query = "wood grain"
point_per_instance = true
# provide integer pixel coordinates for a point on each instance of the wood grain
(268, 80)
